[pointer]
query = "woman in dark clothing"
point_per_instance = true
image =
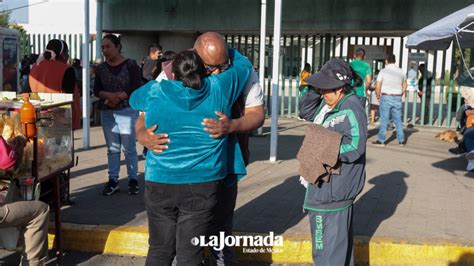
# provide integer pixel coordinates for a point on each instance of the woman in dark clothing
(163, 61)
(115, 80)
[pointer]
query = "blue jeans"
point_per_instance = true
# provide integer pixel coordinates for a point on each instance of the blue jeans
(393, 105)
(119, 133)
(469, 139)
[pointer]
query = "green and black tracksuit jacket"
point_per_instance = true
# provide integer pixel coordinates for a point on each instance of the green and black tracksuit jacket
(349, 119)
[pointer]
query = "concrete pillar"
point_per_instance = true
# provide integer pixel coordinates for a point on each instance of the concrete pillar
(135, 45)
(177, 41)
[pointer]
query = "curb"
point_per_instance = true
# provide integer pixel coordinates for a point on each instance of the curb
(296, 249)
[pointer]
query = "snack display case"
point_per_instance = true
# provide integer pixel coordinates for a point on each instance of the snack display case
(48, 156)
(54, 153)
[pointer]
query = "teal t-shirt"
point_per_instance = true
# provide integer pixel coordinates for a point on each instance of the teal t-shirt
(363, 70)
(192, 156)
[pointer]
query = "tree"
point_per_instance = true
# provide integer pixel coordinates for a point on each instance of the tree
(4, 19)
(5, 23)
(23, 38)
(17, 27)
(457, 61)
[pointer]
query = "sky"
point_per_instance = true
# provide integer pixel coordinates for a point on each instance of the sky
(18, 15)
(42, 16)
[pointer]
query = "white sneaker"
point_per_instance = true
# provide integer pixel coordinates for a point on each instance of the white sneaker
(470, 165)
(470, 155)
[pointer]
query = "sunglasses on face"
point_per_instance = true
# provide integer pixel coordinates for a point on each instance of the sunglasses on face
(221, 67)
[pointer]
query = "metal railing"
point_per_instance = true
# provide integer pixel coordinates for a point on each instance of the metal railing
(36, 43)
(317, 49)
(437, 110)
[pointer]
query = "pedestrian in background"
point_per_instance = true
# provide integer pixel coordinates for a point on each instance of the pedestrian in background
(412, 78)
(303, 89)
(364, 71)
(115, 80)
(163, 66)
(374, 101)
(428, 76)
(52, 74)
(76, 65)
(149, 65)
(390, 89)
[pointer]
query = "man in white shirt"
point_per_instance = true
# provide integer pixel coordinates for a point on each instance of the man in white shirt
(390, 89)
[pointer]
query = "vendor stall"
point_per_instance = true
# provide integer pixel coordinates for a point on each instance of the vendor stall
(43, 172)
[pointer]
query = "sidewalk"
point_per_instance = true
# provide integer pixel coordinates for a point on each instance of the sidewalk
(417, 202)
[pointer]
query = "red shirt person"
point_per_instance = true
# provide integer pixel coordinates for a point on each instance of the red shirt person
(52, 74)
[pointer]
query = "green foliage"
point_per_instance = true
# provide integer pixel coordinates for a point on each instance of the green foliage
(4, 19)
(446, 78)
(23, 38)
(5, 23)
(458, 63)
(18, 28)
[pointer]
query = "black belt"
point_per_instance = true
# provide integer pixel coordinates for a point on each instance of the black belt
(389, 94)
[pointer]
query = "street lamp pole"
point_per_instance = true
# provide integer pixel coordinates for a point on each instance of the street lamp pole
(275, 85)
(85, 80)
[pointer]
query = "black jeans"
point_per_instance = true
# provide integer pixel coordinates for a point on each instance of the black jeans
(223, 221)
(176, 214)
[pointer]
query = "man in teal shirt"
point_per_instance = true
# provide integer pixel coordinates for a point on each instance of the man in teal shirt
(364, 71)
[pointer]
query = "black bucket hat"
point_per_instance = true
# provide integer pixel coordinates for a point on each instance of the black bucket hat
(336, 73)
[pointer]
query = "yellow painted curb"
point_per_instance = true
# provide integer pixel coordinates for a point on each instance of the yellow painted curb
(133, 240)
(106, 239)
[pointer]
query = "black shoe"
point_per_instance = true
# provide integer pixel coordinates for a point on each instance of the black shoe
(133, 188)
(110, 188)
(457, 150)
(402, 144)
(378, 143)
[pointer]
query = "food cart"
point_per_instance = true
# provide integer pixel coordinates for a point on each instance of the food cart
(48, 156)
